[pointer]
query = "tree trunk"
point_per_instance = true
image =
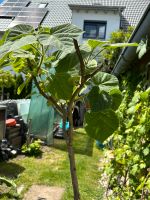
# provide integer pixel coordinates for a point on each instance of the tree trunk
(73, 172)
(69, 142)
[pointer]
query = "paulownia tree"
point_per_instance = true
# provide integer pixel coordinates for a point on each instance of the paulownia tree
(61, 69)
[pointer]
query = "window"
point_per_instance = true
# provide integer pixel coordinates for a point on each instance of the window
(94, 29)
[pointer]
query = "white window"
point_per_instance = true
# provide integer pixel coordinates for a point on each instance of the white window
(94, 29)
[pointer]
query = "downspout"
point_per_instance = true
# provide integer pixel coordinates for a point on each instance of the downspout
(129, 55)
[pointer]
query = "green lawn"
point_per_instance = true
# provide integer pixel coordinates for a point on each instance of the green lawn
(53, 168)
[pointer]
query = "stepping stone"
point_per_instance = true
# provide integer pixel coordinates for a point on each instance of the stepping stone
(42, 192)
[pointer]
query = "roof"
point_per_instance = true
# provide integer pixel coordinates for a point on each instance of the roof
(60, 12)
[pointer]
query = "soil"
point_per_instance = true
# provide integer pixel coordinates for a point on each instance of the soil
(42, 192)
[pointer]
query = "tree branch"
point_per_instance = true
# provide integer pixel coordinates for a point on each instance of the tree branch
(82, 65)
(49, 98)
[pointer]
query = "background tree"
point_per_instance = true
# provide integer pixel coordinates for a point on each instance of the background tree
(6, 81)
(110, 56)
(61, 69)
(11, 89)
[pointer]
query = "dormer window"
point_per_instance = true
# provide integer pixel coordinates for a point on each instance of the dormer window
(94, 29)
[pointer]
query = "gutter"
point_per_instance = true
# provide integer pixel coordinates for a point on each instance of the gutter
(129, 55)
(96, 7)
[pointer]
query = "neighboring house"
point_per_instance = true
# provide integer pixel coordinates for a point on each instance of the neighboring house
(98, 18)
(129, 60)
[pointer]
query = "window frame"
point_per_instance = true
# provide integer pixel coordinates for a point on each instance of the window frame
(97, 24)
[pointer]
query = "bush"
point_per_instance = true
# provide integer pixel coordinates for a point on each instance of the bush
(111, 56)
(33, 149)
(127, 173)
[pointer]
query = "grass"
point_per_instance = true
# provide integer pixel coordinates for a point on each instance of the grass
(53, 168)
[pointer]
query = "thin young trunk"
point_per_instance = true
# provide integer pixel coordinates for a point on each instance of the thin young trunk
(73, 172)
(71, 155)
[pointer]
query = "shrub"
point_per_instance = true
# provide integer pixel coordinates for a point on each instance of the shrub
(128, 173)
(33, 149)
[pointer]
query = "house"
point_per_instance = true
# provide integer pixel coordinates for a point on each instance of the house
(98, 18)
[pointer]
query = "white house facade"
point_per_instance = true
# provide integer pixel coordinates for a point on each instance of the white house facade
(96, 23)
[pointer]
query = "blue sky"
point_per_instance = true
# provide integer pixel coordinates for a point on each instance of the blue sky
(1, 1)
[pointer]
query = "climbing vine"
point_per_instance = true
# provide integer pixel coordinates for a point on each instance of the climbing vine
(127, 175)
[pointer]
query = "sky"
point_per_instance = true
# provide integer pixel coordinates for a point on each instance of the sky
(1, 1)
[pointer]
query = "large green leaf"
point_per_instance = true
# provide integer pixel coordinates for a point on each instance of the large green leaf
(10, 46)
(23, 54)
(121, 45)
(61, 86)
(60, 36)
(99, 100)
(19, 31)
(90, 66)
(5, 49)
(24, 41)
(116, 98)
(105, 81)
(69, 61)
(96, 43)
(100, 125)
(50, 40)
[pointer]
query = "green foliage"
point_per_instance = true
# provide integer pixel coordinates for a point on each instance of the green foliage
(101, 124)
(128, 171)
(17, 83)
(33, 149)
(104, 98)
(110, 56)
(6, 79)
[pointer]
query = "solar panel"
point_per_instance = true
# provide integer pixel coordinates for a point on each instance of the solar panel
(9, 12)
(31, 16)
(12, 9)
(16, 3)
(26, 19)
(39, 10)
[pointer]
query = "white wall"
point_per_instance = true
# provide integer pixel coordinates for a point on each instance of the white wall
(112, 18)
